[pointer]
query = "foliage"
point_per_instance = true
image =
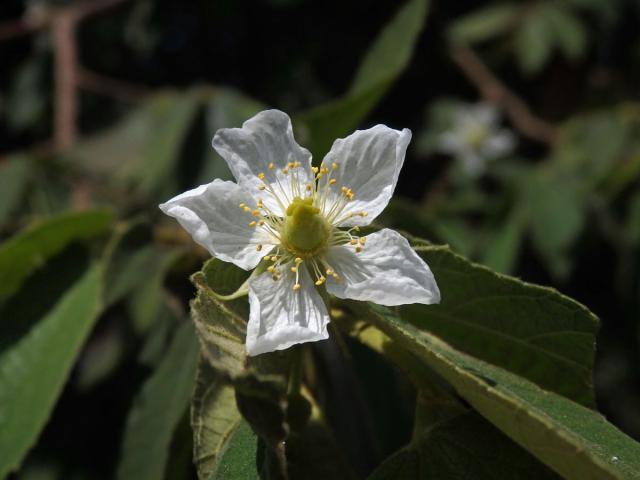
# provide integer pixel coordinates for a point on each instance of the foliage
(114, 365)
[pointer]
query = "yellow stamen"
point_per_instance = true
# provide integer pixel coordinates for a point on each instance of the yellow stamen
(258, 247)
(296, 287)
(261, 175)
(271, 166)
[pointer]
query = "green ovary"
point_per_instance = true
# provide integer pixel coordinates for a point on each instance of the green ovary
(305, 230)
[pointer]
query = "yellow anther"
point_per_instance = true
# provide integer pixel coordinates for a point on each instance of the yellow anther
(320, 281)
(246, 209)
(252, 224)
(261, 187)
(271, 166)
(256, 213)
(314, 169)
(242, 205)
(363, 240)
(330, 271)
(353, 241)
(358, 249)
(261, 175)
(271, 269)
(285, 170)
(298, 260)
(344, 189)
(356, 228)
(334, 165)
(363, 214)
(266, 259)
(309, 187)
(261, 222)
(291, 165)
(298, 164)
(296, 287)
(294, 269)
(258, 247)
(260, 204)
(332, 181)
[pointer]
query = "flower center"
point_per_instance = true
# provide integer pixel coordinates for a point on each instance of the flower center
(475, 136)
(305, 229)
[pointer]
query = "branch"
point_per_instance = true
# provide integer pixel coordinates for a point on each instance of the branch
(494, 91)
(110, 87)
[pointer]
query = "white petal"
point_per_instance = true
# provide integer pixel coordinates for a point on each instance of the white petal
(368, 162)
(212, 216)
(485, 114)
(472, 163)
(499, 144)
(281, 317)
(266, 138)
(387, 272)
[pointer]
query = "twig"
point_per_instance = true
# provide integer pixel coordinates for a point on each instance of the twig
(64, 46)
(111, 87)
(494, 91)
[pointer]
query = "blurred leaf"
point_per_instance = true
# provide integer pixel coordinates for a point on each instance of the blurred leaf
(27, 99)
(385, 60)
(34, 369)
(485, 23)
(238, 462)
(545, 424)
(570, 35)
(30, 249)
(144, 149)
(633, 220)
(557, 212)
(466, 446)
(501, 252)
(14, 175)
(455, 232)
(534, 41)
(214, 419)
(529, 330)
(158, 408)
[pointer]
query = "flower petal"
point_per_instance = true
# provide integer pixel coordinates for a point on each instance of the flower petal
(368, 162)
(265, 139)
(499, 143)
(387, 271)
(281, 317)
(212, 216)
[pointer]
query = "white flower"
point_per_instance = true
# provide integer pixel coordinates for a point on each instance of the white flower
(475, 137)
(302, 222)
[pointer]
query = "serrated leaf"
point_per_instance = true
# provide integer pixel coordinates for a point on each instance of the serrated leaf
(33, 370)
(544, 423)
(385, 60)
(466, 446)
(529, 330)
(158, 408)
(214, 419)
(485, 23)
(238, 462)
(30, 249)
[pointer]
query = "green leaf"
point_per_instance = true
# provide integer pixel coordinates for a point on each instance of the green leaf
(485, 23)
(158, 408)
(30, 249)
(529, 330)
(238, 462)
(34, 369)
(466, 446)
(501, 252)
(143, 150)
(569, 34)
(14, 175)
(214, 419)
(534, 41)
(385, 60)
(556, 210)
(546, 424)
